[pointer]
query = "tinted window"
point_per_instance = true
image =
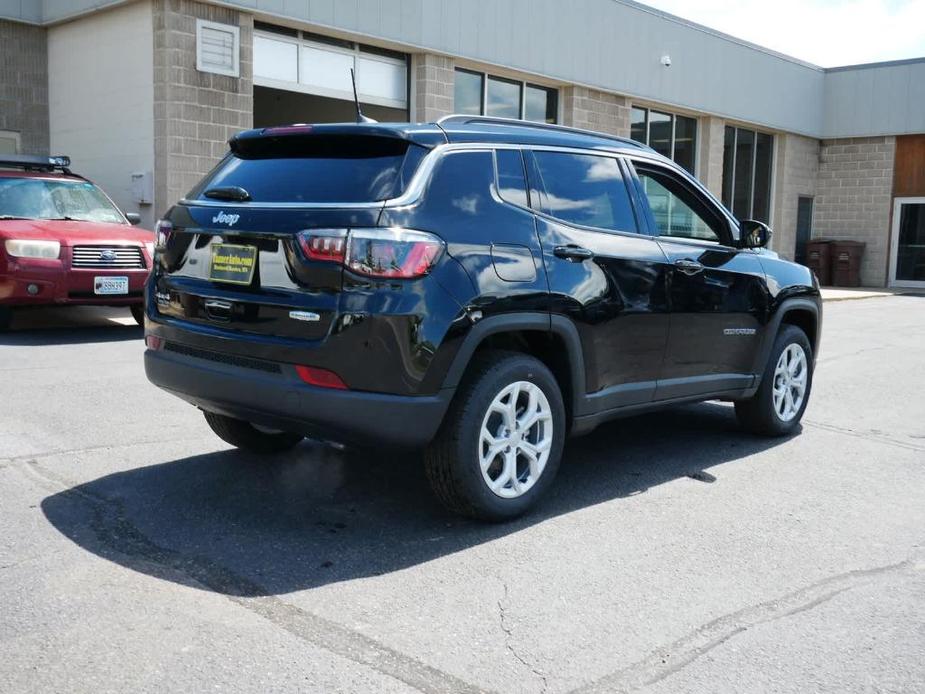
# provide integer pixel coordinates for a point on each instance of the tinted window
(512, 183)
(502, 98)
(677, 211)
(317, 169)
(468, 93)
(584, 189)
(541, 104)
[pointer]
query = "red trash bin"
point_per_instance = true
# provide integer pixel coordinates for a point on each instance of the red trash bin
(818, 259)
(846, 263)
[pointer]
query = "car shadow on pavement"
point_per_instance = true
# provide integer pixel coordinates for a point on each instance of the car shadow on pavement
(67, 325)
(242, 525)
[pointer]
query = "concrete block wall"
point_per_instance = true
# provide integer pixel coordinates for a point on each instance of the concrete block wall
(854, 196)
(797, 168)
(710, 159)
(433, 86)
(595, 110)
(195, 113)
(24, 84)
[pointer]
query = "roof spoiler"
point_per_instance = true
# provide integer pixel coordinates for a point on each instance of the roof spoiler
(423, 135)
(32, 162)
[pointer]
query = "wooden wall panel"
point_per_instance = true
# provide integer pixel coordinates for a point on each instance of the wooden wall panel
(909, 167)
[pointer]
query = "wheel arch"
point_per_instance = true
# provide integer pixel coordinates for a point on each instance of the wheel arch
(802, 312)
(554, 340)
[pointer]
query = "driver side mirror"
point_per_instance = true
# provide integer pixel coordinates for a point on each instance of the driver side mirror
(753, 234)
(133, 218)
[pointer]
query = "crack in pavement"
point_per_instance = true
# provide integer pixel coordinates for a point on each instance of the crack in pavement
(33, 458)
(116, 535)
(667, 660)
(502, 614)
(876, 438)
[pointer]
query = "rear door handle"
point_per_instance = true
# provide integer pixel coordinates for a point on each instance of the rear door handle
(576, 254)
(688, 266)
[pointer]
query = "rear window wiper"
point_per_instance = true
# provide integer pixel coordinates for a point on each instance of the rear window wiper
(236, 193)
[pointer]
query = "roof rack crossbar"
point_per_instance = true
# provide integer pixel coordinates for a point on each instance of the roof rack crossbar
(555, 127)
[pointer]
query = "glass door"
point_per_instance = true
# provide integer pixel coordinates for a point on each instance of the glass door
(907, 257)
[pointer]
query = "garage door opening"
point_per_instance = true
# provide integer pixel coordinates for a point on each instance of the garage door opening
(281, 107)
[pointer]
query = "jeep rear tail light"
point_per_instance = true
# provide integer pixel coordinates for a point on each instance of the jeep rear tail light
(387, 252)
(324, 244)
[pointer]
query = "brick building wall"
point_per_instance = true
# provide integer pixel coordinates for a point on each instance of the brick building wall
(24, 85)
(797, 165)
(594, 110)
(195, 113)
(433, 86)
(853, 198)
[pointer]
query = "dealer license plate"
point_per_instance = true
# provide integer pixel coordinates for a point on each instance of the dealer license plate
(232, 263)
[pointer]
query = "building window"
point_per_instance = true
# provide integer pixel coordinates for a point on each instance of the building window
(478, 94)
(668, 134)
(319, 65)
(218, 48)
(747, 161)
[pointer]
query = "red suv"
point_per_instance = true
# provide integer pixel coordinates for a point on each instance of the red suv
(63, 241)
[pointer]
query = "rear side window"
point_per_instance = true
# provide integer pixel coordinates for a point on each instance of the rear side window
(512, 182)
(584, 189)
(317, 169)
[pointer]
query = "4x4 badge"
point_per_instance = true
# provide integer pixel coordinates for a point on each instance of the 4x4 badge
(229, 219)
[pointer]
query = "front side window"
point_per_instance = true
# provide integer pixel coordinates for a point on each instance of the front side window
(37, 198)
(669, 134)
(584, 189)
(677, 211)
(747, 164)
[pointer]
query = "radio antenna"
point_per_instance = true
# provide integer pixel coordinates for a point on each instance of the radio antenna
(356, 101)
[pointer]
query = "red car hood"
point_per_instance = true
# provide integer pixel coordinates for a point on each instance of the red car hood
(73, 233)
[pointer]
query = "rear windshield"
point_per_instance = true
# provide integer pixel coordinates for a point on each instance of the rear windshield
(317, 169)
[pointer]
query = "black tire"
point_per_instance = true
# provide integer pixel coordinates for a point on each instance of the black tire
(452, 459)
(757, 413)
(138, 313)
(245, 436)
(6, 318)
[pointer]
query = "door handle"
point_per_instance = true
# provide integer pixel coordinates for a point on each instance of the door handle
(688, 266)
(573, 253)
(218, 310)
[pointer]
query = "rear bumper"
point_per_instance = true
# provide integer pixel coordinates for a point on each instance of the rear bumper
(57, 284)
(281, 401)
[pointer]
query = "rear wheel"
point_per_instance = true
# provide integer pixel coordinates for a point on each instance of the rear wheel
(138, 313)
(6, 318)
(249, 437)
(779, 403)
(499, 447)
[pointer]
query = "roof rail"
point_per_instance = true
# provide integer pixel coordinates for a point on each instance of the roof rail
(35, 162)
(494, 120)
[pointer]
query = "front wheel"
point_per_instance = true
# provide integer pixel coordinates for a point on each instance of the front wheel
(780, 401)
(499, 447)
(138, 313)
(6, 318)
(250, 437)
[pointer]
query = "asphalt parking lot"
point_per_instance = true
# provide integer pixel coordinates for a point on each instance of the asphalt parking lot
(139, 553)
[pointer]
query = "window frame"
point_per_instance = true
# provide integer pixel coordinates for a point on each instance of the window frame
(535, 183)
(523, 84)
(674, 115)
(689, 184)
(754, 169)
(235, 31)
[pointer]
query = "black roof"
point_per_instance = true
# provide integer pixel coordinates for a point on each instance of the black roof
(459, 128)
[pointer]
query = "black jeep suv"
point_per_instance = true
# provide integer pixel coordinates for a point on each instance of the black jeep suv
(476, 287)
